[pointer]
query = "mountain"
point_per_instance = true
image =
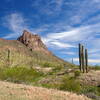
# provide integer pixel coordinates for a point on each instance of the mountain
(28, 50)
(33, 41)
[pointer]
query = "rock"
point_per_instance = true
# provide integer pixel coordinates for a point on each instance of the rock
(33, 42)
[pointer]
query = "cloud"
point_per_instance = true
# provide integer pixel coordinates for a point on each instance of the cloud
(96, 1)
(82, 34)
(70, 53)
(90, 60)
(94, 55)
(82, 11)
(16, 23)
(60, 44)
(87, 35)
(91, 51)
(50, 7)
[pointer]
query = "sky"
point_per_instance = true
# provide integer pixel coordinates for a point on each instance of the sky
(62, 25)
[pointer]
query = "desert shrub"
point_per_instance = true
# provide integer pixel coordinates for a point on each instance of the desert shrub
(87, 89)
(90, 91)
(76, 74)
(97, 67)
(70, 84)
(98, 89)
(57, 68)
(47, 64)
(19, 74)
(53, 85)
(50, 64)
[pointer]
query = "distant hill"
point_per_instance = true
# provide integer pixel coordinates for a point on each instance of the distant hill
(28, 50)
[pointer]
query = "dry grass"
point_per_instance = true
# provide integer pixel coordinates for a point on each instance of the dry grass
(10, 91)
(91, 78)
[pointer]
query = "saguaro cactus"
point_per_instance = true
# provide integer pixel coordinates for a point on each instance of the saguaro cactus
(83, 59)
(80, 56)
(8, 55)
(86, 60)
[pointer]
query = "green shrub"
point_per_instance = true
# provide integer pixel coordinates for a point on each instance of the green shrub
(58, 68)
(98, 89)
(87, 89)
(97, 67)
(76, 74)
(90, 89)
(50, 64)
(70, 84)
(19, 74)
(46, 64)
(53, 85)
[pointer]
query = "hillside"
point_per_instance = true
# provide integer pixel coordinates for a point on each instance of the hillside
(10, 91)
(28, 50)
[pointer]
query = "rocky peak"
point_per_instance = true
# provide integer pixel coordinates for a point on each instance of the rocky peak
(32, 41)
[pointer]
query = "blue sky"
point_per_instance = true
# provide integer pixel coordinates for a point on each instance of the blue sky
(62, 24)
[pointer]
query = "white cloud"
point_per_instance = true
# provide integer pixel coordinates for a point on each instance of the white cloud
(94, 55)
(16, 23)
(70, 53)
(94, 60)
(97, 1)
(90, 60)
(82, 34)
(61, 45)
(70, 39)
(51, 7)
(82, 11)
(91, 51)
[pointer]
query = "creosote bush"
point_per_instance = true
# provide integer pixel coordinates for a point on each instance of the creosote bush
(53, 85)
(50, 64)
(70, 84)
(77, 74)
(97, 67)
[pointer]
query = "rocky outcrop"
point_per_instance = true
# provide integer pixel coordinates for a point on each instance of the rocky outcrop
(33, 41)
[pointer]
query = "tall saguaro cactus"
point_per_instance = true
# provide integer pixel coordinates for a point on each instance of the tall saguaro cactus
(83, 63)
(86, 60)
(8, 55)
(83, 58)
(80, 56)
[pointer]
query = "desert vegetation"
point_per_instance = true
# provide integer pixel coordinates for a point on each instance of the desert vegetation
(67, 82)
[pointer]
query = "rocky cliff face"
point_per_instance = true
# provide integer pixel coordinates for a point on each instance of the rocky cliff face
(33, 41)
